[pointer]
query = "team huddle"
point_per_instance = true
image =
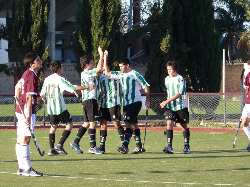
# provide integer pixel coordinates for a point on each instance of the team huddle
(104, 94)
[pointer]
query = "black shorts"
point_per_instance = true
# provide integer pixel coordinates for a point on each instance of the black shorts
(180, 116)
(111, 114)
(131, 112)
(90, 110)
(64, 117)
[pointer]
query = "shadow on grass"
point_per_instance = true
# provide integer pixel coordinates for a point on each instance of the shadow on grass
(198, 171)
(147, 156)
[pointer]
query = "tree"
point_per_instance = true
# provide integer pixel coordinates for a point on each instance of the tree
(194, 42)
(39, 29)
(104, 18)
(83, 26)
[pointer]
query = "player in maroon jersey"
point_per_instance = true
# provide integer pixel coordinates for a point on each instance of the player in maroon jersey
(26, 92)
(245, 117)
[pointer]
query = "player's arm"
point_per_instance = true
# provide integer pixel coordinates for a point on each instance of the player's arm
(100, 62)
(28, 107)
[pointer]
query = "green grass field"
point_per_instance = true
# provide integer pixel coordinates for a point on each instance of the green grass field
(213, 162)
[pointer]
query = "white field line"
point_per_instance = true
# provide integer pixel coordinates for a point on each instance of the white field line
(133, 181)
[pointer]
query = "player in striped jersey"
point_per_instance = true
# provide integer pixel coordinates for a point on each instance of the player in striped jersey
(110, 105)
(132, 82)
(90, 105)
(52, 90)
(176, 107)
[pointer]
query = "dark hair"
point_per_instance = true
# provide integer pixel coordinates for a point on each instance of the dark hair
(84, 60)
(29, 58)
(124, 61)
(55, 66)
(172, 63)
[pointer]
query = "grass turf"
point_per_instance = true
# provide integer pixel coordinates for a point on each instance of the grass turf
(212, 162)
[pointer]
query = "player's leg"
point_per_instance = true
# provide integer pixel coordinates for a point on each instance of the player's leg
(75, 145)
(115, 115)
(92, 111)
(65, 118)
(170, 119)
(23, 148)
(182, 117)
(245, 119)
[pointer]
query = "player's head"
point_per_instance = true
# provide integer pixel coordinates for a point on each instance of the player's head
(56, 67)
(87, 61)
(171, 67)
(124, 65)
(32, 60)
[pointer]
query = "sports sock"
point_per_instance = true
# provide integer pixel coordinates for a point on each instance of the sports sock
(64, 136)
(169, 137)
(92, 137)
(186, 135)
(23, 154)
(52, 140)
(247, 132)
(121, 133)
(80, 134)
(103, 136)
(137, 137)
(128, 135)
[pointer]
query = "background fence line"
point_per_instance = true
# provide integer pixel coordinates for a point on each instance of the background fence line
(204, 108)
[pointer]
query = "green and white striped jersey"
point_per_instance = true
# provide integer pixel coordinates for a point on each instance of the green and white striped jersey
(175, 85)
(53, 88)
(131, 82)
(89, 77)
(110, 89)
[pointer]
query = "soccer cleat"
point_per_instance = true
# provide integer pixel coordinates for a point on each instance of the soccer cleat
(29, 173)
(248, 147)
(52, 152)
(123, 149)
(95, 150)
(59, 148)
(168, 149)
(76, 148)
(138, 150)
(186, 149)
(102, 149)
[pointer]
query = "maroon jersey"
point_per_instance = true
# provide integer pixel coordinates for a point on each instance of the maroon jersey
(247, 91)
(29, 86)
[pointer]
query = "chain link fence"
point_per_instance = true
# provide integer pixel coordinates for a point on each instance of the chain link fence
(204, 108)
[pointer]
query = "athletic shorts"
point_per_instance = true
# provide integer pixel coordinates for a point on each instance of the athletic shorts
(64, 118)
(180, 116)
(23, 128)
(111, 114)
(246, 111)
(90, 110)
(131, 112)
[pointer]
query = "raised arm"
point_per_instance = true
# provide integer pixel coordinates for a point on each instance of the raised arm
(100, 63)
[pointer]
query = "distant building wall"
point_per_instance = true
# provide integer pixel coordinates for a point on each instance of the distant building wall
(7, 84)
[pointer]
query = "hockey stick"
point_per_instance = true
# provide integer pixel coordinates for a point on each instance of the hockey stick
(41, 153)
(145, 129)
(236, 134)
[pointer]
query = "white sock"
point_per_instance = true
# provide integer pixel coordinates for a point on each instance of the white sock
(18, 155)
(247, 132)
(25, 157)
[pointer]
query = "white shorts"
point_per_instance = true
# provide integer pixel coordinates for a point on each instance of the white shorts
(246, 111)
(22, 127)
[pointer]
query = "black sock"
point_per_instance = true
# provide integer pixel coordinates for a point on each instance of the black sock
(186, 135)
(103, 135)
(128, 135)
(52, 139)
(169, 137)
(80, 134)
(137, 137)
(121, 133)
(92, 137)
(64, 136)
